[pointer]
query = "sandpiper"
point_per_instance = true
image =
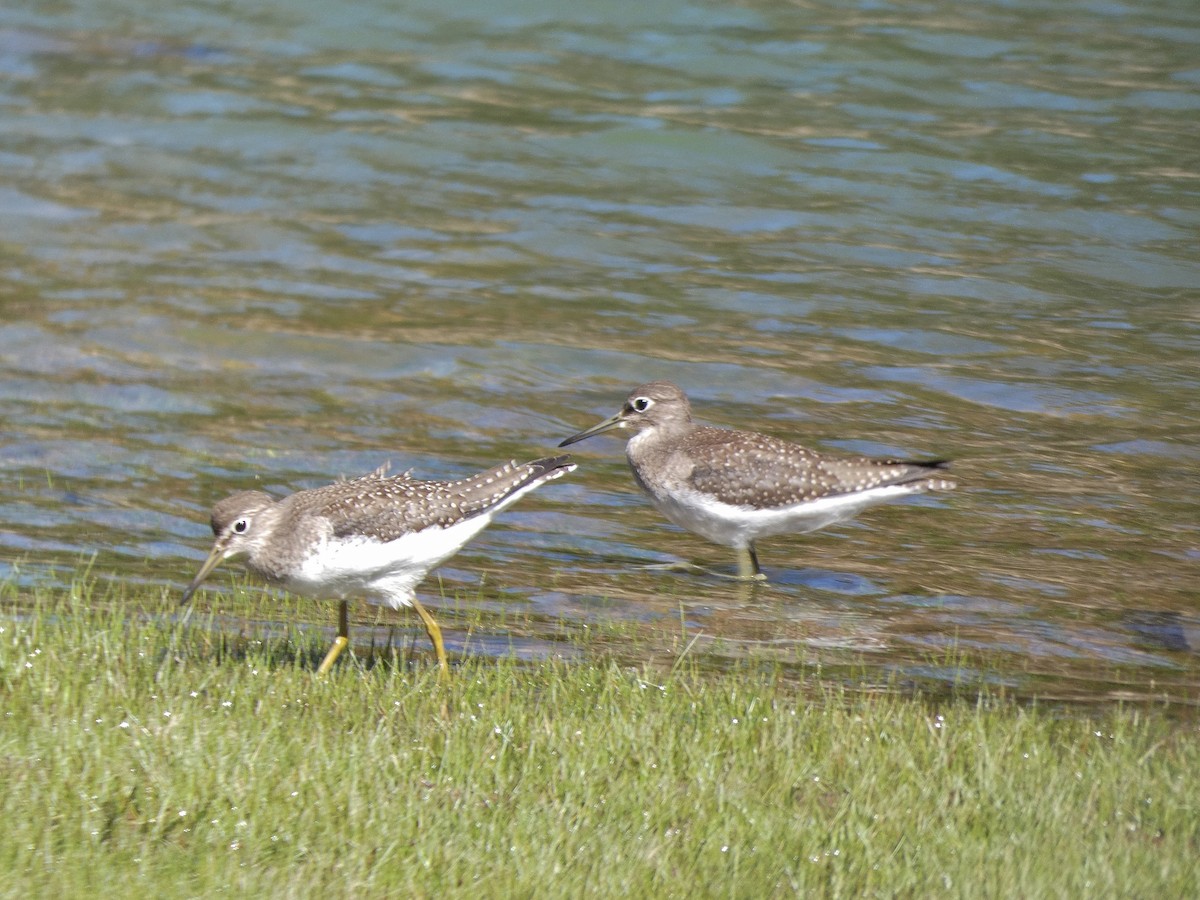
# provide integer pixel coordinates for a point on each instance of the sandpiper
(734, 487)
(374, 537)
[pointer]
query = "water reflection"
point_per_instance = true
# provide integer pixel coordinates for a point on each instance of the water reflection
(275, 247)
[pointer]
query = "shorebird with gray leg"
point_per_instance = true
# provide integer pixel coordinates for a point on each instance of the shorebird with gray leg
(374, 537)
(734, 487)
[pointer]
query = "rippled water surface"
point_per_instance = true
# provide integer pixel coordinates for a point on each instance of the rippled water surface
(280, 243)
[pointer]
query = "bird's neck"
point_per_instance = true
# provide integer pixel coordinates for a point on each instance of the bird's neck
(652, 440)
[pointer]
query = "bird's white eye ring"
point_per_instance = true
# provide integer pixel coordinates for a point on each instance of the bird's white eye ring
(641, 404)
(241, 525)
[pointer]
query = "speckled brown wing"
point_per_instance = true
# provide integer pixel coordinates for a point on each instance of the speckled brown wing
(748, 469)
(386, 508)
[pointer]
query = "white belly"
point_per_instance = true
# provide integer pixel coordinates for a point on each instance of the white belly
(738, 526)
(382, 572)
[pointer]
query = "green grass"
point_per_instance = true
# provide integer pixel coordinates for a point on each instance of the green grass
(139, 754)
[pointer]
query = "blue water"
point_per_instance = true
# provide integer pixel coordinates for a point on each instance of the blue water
(280, 244)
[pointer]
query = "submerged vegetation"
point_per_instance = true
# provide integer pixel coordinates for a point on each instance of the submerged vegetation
(143, 752)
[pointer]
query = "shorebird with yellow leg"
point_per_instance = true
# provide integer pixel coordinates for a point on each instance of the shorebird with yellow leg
(373, 537)
(734, 487)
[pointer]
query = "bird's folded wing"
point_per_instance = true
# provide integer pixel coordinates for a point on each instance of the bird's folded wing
(772, 474)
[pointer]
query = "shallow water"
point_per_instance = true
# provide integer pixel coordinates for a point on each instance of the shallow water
(279, 245)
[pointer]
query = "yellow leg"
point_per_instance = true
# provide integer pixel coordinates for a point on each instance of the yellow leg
(748, 569)
(435, 634)
(341, 642)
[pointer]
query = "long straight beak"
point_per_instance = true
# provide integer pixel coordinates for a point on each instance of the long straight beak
(214, 559)
(617, 421)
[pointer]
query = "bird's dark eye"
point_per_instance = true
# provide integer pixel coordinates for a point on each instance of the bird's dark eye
(241, 525)
(641, 404)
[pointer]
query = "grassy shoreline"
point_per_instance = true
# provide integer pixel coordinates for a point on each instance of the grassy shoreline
(150, 754)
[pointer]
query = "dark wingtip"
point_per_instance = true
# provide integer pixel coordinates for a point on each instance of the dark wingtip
(921, 471)
(932, 482)
(550, 463)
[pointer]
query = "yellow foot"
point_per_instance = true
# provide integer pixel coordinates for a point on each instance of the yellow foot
(340, 643)
(435, 635)
(755, 578)
(694, 569)
(675, 567)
